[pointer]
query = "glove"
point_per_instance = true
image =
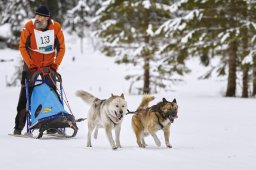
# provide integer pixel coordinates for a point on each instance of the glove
(54, 67)
(32, 68)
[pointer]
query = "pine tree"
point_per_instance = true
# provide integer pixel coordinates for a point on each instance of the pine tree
(214, 28)
(254, 77)
(95, 5)
(128, 32)
(78, 20)
(2, 7)
(15, 13)
(55, 11)
(59, 9)
(2, 37)
(251, 13)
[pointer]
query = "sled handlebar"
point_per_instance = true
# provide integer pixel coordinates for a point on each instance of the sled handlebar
(46, 71)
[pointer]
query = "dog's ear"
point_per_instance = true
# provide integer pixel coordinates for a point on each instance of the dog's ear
(164, 100)
(174, 100)
(122, 95)
(112, 95)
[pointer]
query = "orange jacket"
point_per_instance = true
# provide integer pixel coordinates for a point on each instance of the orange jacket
(29, 50)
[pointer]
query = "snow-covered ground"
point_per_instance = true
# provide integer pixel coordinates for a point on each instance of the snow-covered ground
(212, 132)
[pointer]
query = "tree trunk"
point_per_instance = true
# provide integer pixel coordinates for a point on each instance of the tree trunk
(245, 67)
(146, 55)
(231, 86)
(54, 9)
(146, 86)
(245, 81)
(254, 76)
(81, 44)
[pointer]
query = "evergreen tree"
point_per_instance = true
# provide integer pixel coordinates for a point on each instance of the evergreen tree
(66, 5)
(15, 13)
(254, 77)
(251, 15)
(78, 20)
(95, 5)
(2, 37)
(55, 10)
(59, 8)
(214, 28)
(128, 32)
(2, 7)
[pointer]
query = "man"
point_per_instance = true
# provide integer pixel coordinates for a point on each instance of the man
(41, 45)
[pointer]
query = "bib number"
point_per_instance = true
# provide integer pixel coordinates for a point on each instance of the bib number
(45, 41)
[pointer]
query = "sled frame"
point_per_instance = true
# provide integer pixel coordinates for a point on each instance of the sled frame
(28, 105)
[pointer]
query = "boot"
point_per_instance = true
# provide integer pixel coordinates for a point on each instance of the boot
(17, 132)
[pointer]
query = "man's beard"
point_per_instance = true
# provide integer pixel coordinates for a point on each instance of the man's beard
(40, 25)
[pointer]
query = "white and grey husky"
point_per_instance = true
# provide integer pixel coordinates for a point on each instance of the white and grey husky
(106, 113)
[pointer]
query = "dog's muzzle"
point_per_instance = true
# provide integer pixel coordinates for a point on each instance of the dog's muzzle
(119, 116)
(172, 115)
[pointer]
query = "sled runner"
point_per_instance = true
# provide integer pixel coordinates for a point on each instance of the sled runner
(45, 104)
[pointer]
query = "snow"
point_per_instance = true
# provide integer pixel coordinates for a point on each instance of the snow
(171, 25)
(249, 58)
(179, 23)
(193, 14)
(147, 4)
(109, 23)
(104, 6)
(150, 31)
(4, 31)
(224, 37)
(212, 132)
(175, 6)
(185, 39)
(81, 5)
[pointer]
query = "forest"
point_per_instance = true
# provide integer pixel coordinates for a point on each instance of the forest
(157, 37)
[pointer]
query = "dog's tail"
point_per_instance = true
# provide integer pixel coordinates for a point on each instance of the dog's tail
(145, 101)
(85, 96)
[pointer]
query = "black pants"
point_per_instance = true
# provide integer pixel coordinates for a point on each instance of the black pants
(20, 119)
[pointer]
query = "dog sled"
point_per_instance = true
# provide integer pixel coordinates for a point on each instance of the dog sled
(45, 104)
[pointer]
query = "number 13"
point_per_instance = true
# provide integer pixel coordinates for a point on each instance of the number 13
(45, 39)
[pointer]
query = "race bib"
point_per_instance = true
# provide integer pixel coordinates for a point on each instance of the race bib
(44, 41)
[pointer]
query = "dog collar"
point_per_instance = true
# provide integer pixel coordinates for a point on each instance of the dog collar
(158, 119)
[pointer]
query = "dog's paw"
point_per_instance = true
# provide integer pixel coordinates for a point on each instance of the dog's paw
(118, 144)
(142, 146)
(169, 146)
(158, 143)
(89, 145)
(114, 148)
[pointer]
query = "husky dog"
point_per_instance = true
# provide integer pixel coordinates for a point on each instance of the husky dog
(148, 120)
(106, 113)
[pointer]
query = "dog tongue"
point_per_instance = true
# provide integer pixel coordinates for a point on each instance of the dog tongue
(118, 117)
(172, 118)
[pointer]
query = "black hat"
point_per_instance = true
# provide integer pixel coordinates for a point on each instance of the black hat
(43, 11)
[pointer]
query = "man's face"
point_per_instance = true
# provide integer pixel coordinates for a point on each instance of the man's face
(41, 22)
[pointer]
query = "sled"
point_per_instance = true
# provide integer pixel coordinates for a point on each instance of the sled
(45, 104)
(21, 135)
